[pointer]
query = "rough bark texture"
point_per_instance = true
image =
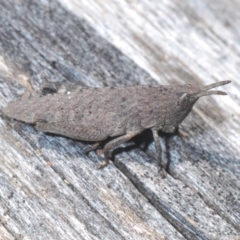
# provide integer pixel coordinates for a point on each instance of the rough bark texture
(50, 190)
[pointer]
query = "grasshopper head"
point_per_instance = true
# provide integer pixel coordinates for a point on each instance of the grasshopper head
(182, 100)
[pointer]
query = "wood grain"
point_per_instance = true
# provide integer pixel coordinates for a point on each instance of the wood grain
(50, 190)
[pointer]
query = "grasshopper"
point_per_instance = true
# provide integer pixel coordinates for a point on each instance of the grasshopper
(120, 113)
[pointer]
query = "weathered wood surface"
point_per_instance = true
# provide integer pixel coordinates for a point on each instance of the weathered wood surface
(50, 190)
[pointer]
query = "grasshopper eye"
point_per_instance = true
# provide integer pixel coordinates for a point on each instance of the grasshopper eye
(183, 100)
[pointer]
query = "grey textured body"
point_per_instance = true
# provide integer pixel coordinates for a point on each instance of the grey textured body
(95, 114)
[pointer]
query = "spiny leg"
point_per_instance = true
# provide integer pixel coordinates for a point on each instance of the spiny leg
(159, 153)
(109, 147)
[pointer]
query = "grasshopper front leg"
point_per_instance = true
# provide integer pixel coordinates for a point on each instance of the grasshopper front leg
(109, 147)
(159, 153)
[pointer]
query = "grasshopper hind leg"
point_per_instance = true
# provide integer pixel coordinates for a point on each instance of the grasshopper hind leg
(161, 167)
